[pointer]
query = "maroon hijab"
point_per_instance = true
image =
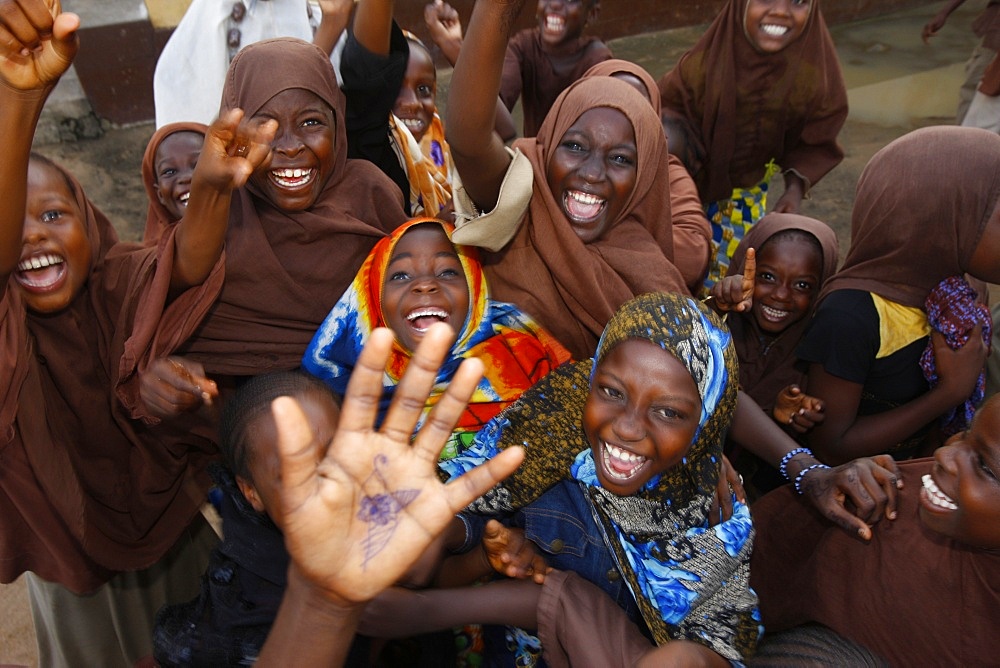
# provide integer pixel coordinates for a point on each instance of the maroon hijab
(745, 107)
(286, 269)
(574, 288)
(767, 368)
(158, 219)
(921, 206)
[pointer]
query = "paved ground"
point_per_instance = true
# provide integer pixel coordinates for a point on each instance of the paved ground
(896, 84)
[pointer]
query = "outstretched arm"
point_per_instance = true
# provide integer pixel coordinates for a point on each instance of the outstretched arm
(931, 27)
(478, 151)
(355, 521)
(37, 44)
(232, 151)
(336, 14)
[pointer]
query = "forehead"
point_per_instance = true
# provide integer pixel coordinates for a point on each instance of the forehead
(44, 179)
(791, 249)
(179, 143)
(424, 238)
(605, 122)
(292, 101)
(420, 61)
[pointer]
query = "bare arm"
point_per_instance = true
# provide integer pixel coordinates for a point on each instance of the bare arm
(37, 44)
(478, 151)
(931, 27)
(336, 16)
(231, 152)
(372, 25)
(844, 434)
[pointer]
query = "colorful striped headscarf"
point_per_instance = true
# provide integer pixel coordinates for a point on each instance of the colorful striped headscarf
(688, 580)
(515, 351)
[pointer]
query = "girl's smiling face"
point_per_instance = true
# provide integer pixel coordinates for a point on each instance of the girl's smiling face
(424, 283)
(415, 105)
(641, 415)
(789, 270)
(302, 151)
(562, 21)
(173, 165)
(592, 171)
(55, 252)
(771, 25)
(960, 497)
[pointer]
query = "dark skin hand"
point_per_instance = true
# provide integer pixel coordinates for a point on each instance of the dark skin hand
(735, 293)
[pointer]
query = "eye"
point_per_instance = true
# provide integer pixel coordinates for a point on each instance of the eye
(448, 273)
(399, 276)
(612, 393)
(668, 413)
(571, 145)
(623, 159)
(312, 121)
(168, 172)
(424, 91)
(765, 276)
(986, 468)
(50, 216)
(805, 286)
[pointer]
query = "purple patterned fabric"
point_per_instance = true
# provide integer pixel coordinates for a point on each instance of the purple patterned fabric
(952, 309)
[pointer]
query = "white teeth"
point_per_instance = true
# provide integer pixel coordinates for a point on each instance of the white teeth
(427, 313)
(554, 22)
(936, 496)
(183, 199)
(39, 262)
(585, 198)
(773, 313)
(622, 456)
(292, 178)
(413, 123)
(773, 30)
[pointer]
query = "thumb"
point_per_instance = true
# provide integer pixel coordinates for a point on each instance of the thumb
(64, 38)
(492, 529)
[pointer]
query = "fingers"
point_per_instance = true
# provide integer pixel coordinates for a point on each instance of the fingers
(296, 450)
(467, 488)
(439, 425)
(364, 389)
(413, 389)
(27, 23)
(750, 268)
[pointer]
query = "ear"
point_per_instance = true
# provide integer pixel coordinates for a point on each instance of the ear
(159, 195)
(250, 492)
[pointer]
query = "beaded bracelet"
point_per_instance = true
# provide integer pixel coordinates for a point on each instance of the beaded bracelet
(783, 466)
(803, 472)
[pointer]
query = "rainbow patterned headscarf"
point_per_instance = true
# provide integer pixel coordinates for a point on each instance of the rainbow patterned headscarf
(515, 350)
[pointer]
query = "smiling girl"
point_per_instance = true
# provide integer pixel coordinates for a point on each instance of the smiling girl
(167, 166)
(411, 280)
(588, 226)
(760, 92)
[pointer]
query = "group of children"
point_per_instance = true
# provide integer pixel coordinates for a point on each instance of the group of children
(277, 238)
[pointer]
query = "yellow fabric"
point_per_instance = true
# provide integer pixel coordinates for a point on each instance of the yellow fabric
(429, 167)
(898, 325)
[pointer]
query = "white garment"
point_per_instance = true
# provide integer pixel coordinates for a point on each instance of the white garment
(187, 84)
(984, 112)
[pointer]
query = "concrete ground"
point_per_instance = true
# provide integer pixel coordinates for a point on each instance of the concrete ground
(895, 83)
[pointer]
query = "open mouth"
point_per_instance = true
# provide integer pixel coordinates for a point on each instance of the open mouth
(621, 465)
(422, 319)
(292, 178)
(182, 200)
(772, 30)
(554, 23)
(936, 497)
(414, 125)
(583, 207)
(773, 314)
(40, 272)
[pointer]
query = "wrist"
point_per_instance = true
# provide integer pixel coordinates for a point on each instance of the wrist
(800, 478)
(307, 598)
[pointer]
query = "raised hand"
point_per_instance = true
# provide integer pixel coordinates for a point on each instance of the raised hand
(37, 43)
(795, 409)
(174, 385)
(356, 519)
(735, 293)
(233, 149)
(510, 553)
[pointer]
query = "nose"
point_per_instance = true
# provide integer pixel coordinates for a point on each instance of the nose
(592, 169)
(782, 291)
(286, 141)
(627, 425)
(426, 284)
(782, 7)
(33, 231)
(407, 99)
(946, 456)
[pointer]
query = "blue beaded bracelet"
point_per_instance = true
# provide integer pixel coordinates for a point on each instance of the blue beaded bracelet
(803, 472)
(783, 466)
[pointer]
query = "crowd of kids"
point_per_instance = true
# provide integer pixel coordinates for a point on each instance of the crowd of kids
(448, 382)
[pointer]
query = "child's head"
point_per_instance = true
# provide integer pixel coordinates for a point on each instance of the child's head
(961, 495)
(416, 103)
(249, 435)
(562, 21)
(57, 253)
(789, 273)
(425, 282)
(173, 164)
(771, 25)
(662, 392)
(293, 83)
(603, 147)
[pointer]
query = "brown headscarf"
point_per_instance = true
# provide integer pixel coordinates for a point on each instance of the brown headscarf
(764, 374)
(609, 68)
(806, 569)
(921, 206)
(286, 269)
(86, 491)
(158, 219)
(570, 287)
(746, 107)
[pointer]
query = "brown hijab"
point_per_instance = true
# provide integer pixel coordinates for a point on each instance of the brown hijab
(610, 68)
(85, 490)
(765, 371)
(286, 269)
(573, 288)
(745, 108)
(921, 206)
(158, 219)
